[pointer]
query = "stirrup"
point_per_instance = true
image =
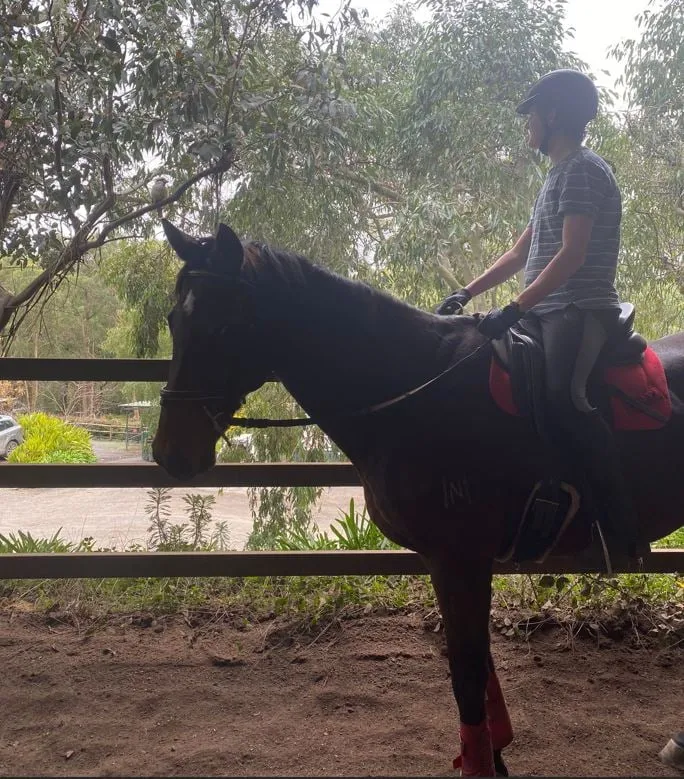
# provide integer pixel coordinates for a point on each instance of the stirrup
(550, 508)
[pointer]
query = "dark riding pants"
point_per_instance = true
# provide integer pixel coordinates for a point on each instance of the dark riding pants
(573, 339)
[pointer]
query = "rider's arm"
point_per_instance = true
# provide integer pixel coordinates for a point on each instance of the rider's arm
(571, 257)
(506, 266)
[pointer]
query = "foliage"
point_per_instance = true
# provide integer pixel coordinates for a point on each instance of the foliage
(190, 536)
(158, 510)
(353, 530)
(100, 98)
(653, 238)
(673, 541)
(23, 542)
(275, 508)
(654, 62)
(74, 324)
(573, 595)
(142, 274)
(48, 439)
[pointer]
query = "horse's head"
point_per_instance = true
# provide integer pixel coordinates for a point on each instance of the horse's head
(216, 357)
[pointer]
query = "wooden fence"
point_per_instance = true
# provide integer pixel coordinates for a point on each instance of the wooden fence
(136, 564)
(111, 431)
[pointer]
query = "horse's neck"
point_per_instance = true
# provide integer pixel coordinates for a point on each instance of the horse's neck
(339, 346)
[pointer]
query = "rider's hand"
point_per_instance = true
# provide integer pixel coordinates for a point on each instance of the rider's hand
(498, 320)
(454, 303)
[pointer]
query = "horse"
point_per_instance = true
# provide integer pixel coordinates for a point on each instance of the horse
(441, 470)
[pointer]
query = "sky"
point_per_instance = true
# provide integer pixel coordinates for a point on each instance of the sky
(598, 25)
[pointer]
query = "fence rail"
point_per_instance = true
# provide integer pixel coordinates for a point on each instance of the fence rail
(51, 369)
(234, 564)
(96, 565)
(151, 475)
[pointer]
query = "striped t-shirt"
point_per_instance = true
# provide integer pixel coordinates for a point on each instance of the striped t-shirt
(582, 183)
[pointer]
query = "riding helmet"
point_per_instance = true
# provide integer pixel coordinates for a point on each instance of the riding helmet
(570, 92)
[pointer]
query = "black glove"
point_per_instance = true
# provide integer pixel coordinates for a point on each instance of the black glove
(454, 303)
(498, 320)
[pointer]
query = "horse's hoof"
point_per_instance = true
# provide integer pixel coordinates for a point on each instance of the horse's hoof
(672, 753)
(499, 764)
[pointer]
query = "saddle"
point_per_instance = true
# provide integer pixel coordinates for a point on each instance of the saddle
(626, 384)
(626, 369)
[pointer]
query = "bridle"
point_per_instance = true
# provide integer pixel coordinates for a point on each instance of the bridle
(168, 396)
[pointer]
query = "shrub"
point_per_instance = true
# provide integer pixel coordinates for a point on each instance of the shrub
(24, 543)
(352, 530)
(48, 439)
(195, 535)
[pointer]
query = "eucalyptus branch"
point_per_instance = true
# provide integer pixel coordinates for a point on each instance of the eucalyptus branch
(237, 62)
(52, 276)
(446, 274)
(221, 166)
(374, 186)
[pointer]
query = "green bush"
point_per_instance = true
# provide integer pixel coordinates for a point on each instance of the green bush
(352, 530)
(24, 543)
(48, 439)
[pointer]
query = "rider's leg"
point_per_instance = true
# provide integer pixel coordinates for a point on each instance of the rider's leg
(572, 337)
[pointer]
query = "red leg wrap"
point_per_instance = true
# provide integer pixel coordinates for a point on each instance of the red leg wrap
(476, 758)
(497, 714)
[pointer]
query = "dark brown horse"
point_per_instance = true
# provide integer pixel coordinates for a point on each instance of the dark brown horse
(441, 470)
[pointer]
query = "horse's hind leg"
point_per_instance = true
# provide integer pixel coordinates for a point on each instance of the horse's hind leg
(464, 595)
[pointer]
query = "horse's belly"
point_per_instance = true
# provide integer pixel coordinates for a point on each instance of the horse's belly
(425, 509)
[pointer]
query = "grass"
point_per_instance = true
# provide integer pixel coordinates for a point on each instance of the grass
(673, 541)
(311, 599)
(569, 599)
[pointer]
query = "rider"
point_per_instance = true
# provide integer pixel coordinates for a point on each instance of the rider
(569, 251)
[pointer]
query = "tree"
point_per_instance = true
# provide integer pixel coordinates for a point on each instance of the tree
(654, 63)
(653, 171)
(428, 176)
(98, 97)
(276, 508)
(142, 275)
(75, 324)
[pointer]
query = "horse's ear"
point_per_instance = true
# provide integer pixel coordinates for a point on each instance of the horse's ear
(186, 247)
(228, 253)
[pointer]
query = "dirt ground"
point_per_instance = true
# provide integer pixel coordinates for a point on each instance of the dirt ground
(116, 517)
(369, 696)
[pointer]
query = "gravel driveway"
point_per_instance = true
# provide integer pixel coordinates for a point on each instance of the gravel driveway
(115, 517)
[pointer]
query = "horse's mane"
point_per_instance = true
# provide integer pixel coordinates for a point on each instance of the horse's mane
(281, 275)
(272, 268)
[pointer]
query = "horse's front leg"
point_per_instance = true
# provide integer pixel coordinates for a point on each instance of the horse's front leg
(464, 593)
(498, 719)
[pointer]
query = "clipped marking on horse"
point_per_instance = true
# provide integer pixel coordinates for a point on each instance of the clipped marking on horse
(644, 382)
(455, 492)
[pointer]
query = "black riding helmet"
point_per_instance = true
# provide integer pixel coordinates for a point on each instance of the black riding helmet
(571, 93)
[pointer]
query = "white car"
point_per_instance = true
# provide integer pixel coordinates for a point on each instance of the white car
(11, 435)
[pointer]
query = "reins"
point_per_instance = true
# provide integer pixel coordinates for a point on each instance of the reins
(261, 422)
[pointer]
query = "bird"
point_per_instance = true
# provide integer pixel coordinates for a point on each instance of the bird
(158, 192)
